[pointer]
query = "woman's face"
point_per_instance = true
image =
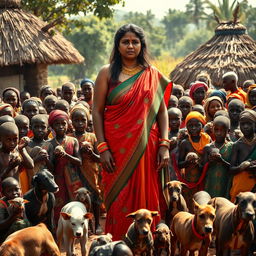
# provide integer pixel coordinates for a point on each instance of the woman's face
(214, 106)
(129, 46)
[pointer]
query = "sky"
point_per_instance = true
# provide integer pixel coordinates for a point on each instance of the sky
(159, 7)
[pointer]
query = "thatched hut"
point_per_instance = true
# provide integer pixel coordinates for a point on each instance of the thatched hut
(230, 49)
(27, 47)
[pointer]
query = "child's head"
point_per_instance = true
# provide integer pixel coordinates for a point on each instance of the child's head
(247, 84)
(198, 108)
(45, 91)
(22, 123)
(211, 106)
(204, 77)
(229, 81)
(6, 109)
(247, 122)
(251, 96)
(9, 136)
(235, 107)
(198, 92)
(219, 93)
(30, 108)
(221, 126)
(90, 125)
(87, 86)
(173, 102)
(58, 120)
(175, 116)
(11, 96)
(24, 96)
(79, 116)
(62, 105)
(79, 93)
(49, 103)
(221, 112)
(185, 105)
(11, 188)
(6, 118)
(68, 92)
(194, 123)
(177, 91)
(39, 126)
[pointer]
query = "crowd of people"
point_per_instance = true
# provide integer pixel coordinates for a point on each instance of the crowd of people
(126, 135)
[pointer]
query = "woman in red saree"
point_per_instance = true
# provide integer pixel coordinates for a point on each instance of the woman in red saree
(130, 117)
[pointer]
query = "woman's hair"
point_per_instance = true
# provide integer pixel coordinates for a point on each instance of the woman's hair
(115, 58)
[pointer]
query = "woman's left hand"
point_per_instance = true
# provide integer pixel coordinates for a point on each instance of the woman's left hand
(163, 157)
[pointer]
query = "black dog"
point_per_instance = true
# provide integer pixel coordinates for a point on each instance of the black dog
(41, 199)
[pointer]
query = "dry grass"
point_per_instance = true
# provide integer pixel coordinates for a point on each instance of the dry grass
(230, 49)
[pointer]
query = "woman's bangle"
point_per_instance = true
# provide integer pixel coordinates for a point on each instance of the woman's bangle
(103, 149)
(164, 140)
(164, 145)
(102, 144)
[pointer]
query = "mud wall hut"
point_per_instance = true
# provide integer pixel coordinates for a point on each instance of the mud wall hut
(27, 47)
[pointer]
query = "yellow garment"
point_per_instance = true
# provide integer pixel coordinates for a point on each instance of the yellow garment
(199, 146)
(24, 181)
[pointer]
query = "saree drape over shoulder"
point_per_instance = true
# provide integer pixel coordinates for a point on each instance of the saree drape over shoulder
(132, 134)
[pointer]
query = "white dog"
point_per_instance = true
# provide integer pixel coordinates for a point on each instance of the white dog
(73, 224)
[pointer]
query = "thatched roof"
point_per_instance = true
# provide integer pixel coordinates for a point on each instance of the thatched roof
(230, 49)
(24, 41)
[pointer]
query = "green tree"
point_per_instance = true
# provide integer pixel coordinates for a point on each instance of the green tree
(61, 11)
(175, 24)
(195, 11)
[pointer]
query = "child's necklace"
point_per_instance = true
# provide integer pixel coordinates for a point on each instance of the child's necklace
(221, 147)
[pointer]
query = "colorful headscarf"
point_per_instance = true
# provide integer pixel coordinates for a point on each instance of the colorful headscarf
(251, 87)
(16, 92)
(56, 114)
(86, 80)
(80, 106)
(221, 94)
(195, 86)
(6, 105)
(207, 104)
(195, 115)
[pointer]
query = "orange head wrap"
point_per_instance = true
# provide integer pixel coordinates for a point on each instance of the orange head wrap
(195, 115)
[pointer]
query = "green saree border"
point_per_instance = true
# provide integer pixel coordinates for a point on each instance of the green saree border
(141, 146)
(122, 87)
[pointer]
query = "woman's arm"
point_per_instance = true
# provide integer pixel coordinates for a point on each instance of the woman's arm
(99, 101)
(162, 120)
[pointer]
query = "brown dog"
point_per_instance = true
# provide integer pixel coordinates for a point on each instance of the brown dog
(193, 231)
(32, 241)
(139, 237)
(233, 225)
(176, 202)
(162, 241)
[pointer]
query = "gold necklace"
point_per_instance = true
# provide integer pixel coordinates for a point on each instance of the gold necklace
(131, 71)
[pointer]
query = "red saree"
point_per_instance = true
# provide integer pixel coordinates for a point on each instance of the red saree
(132, 134)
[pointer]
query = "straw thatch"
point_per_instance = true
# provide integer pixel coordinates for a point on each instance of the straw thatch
(24, 39)
(230, 49)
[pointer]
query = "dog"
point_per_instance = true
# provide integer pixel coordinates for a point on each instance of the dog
(162, 241)
(139, 237)
(117, 248)
(176, 202)
(41, 199)
(193, 231)
(100, 240)
(73, 224)
(202, 197)
(31, 241)
(233, 225)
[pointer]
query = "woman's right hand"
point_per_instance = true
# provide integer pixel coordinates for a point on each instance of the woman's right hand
(107, 161)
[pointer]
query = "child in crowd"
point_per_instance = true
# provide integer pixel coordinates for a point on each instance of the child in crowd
(221, 94)
(12, 154)
(24, 95)
(62, 105)
(64, 154)
(6, 118)
(7, 109)
(211, 106)
(196, 141)
(10, 217)
(243, 157)
(247, 84)
(235, 108)
(45, 91)
(185, 105)
(87, 86)
(218, 154)
(198, 92)
(177, 90)
(49, 103)
(173, 102)
(68, 92)
(251, 96)
(12, 96)
(90, 158)
(38, 146)
(198, 108)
